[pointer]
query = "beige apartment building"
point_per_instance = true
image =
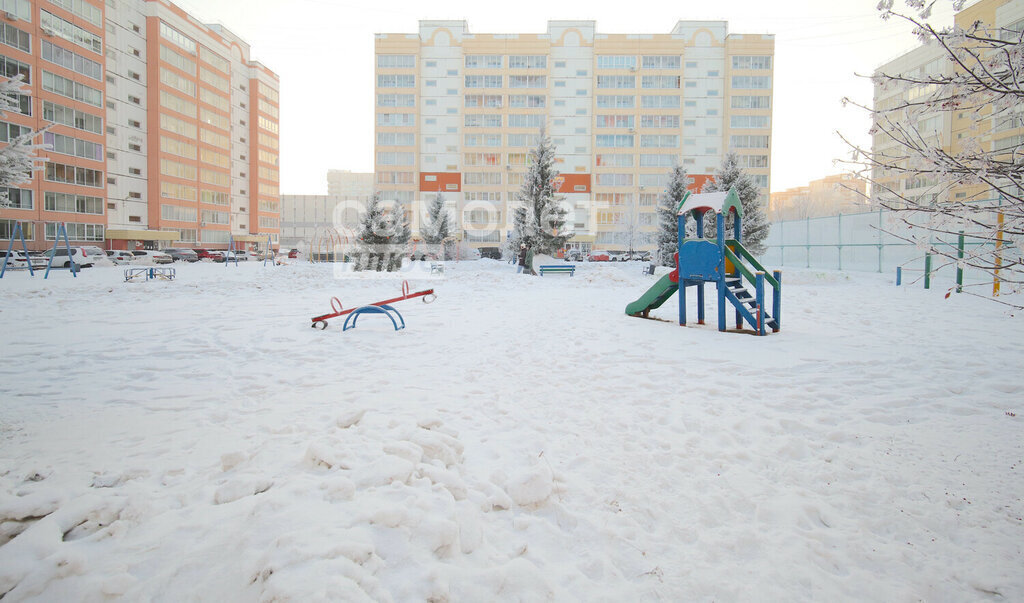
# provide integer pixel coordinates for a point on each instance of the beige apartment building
(829, 196)
(163, 130)
(946, 129)
(458, 113)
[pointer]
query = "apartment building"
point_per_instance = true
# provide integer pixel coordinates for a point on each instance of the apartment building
(948, 130)
(458, 113)
(305, 217)
(163, 131)
(828, 196)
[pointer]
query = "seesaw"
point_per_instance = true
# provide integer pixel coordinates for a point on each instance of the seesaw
(381, 307)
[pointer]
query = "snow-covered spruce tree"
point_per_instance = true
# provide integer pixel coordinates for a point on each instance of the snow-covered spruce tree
(755, 221)
(510, 248)
(17, 159)
(383, 237)
(668, 222)
(982, 81)
(438, 225)
(544, 229)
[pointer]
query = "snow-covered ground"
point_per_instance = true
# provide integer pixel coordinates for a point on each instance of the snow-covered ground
(522, 439)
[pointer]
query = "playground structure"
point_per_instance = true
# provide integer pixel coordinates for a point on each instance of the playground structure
(726, 263)
(148, 274)
(325, 244)
(381, 307)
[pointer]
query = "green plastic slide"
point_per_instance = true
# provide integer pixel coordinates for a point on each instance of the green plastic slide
(655, 296)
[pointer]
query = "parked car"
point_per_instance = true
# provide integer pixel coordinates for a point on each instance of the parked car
(643, 256)
(180, 254)
(95, 253)
(618, 256)
(120, 257)
(240, 254)
(574, 255)
(78, 256)
(18, 259)
(599, 256)
(156, 257)
(209, 254)
(293, 254)
(230, 256)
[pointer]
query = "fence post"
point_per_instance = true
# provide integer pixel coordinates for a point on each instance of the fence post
(880, 245)
(808, 241)
(927, 270)
(999, 245)
(839, 238)
(959, 264)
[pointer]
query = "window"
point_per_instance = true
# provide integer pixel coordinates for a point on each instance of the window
(663, 141)
(484, 61)
(178, 60)
(71, 89)
(396, 81)
(661, 62)
(177, 191)
(72, 117)
(527, 61)
(748, 121)
(659, 121)
(659, 102)
(527, 81)
(483, 100)
(69, 174)
(12, 36)
(660, 81)
(531, 101)
(396, 138)
(71, 60)
(68, 145)
(76, 231)
(396, 61)
(396, 100)
(614, 179)
(614, 121)
(135, 124)
(614, 140)
(211, 118)
(748, 142)
(521, 140)
(17, 198)
(176, 37)
(481, 178)
(71, 203)
(178, 104)
(616, 102)
(71, 32)
(177, 147)
(610, 61)
(616, 81)
(395, 158)
(212, 98)
(476, 120)
(396, 119)
(659, 160)
(7, 230)
(614, 160)
(134, 147)
(526, 121)
(751, 102)
(178, 126)
(753, 161)
(211, 78)
(752, 62)
(134, 99)
(474, 159)
(751, 82)
(483, 81)
(214, 138)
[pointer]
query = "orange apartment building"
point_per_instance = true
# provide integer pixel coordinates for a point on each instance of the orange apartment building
(163, 131)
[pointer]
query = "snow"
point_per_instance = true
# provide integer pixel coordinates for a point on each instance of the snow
(522, 439)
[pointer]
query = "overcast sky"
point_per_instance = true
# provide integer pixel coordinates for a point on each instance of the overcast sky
(323, 52)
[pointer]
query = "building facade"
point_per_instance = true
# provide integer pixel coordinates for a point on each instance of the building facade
(948, 130)
(307, 218)
(458, 113)
(162, 132)
(829, 196)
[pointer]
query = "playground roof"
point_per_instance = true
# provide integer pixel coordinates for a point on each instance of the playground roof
(721, 202)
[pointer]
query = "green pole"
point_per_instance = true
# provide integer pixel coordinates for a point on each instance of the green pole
(959, 265)
(927, 271)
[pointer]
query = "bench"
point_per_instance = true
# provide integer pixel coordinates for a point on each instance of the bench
(570, 268)
(649, 269)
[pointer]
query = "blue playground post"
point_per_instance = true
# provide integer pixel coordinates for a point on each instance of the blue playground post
(759, 297)
(10, 247)
(899, 275)
(61, 230)
(269, 254)
(720, 233)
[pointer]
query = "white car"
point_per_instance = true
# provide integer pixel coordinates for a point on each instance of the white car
(95, 253)
(120, 257)
(146, 256)
(17, 259)
(78, 256)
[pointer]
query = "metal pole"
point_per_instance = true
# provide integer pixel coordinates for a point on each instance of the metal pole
(839, 237)
(927, 271)
(999, 245)
(880, 246)
(959, 264)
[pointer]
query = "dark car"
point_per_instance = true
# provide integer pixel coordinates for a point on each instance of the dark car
(179, 254)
